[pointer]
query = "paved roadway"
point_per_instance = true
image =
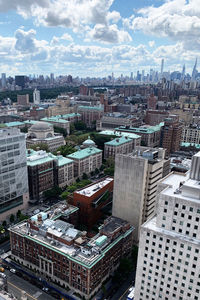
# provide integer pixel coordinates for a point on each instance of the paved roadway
(17, 284)
(5, 247)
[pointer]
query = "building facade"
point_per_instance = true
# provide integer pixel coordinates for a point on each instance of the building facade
(135, 185)
(90, 114)
(92, 199)
(86, 160)
(114, 120)
(121, 145)
(191, 134)
(36, 96)
(170, 242)
(46, 170)
(13, 172)
(171, 134)
(58, 122)
(23, 100)
(64, 255)
(43, 133)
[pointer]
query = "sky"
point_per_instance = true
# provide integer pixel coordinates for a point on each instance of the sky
(97, 37)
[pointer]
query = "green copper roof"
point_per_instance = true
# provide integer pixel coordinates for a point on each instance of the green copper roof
(13, 124)
(80, 154)
(32, 122)
(119, 141)
(99, 108)
(190, 145)
(54, 119)
(62, 160)
(72, 115)
(149, 129)
(120, 133)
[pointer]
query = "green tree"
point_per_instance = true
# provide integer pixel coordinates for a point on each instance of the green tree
(42, 146)
(85, 176)
(18, 214)
(65, 150)
(78, 180)
(80, 125)
(4, 223)
(52, 193)
(60, 130)
(12, 218)
(96, 171)
(65, 194)
(72, 128)
(24, 129)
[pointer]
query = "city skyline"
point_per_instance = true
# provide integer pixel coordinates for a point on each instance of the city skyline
(98, 37)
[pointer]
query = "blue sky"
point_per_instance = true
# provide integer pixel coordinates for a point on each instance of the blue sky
(97, 37)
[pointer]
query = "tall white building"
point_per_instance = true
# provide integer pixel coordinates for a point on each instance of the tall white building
(3, 80)
(168, 260)
(13, 172)
(36, 96)
(135, 184)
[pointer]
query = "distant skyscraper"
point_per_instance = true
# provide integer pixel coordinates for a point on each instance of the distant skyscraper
(194, 71)
(3, 80)
(20, 81)
(52, 78)
(183, 72)
(36, 96)
(131, 75)
(162, 66)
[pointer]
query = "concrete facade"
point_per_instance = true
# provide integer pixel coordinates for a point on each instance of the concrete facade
(135, 185)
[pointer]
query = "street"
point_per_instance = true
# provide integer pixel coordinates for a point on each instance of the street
(17, 284)
(5, 247)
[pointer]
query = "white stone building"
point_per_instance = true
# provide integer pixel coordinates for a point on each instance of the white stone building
(168, 260)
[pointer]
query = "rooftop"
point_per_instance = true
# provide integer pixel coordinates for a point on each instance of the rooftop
(119, 141)
(99, 108)
(80, 154)
(39, 157)
(142, 129)
(68, 241)
(72, 115)
(14, 124)
(94, 188)
(120, 133)
(55, 119)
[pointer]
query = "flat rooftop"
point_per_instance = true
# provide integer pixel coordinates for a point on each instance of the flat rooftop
(80, 154)
(120, 133)
(94, 188)
(68, 241)
(119, 141)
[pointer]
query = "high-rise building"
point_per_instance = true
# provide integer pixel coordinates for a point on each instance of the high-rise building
(52, 78)
(36, 96)
(13, 172)
(194, 71)
(168, 260)
(3, 80)
(183, 73)
(171, 134)
(23, 100)
(152, 102)
(135, 184)
(20, 81)
(162, 66)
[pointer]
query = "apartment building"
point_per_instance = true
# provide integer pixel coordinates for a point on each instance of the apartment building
(135, 185)
(86, 160)
(191, 134)
(13, 172)
(90, 114)
(170, 242)
(49, 244)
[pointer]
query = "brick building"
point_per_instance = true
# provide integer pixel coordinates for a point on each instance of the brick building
(57, 251)
(171, 134)
(90, 114)
(23, 100)
(151, 102)
(154, 117)
(92, 199)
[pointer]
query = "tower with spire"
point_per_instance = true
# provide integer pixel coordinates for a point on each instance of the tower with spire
(194, 71)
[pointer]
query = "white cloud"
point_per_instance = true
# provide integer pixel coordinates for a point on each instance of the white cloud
(66, 37)
(151, 43)
(175, 19)
(25, 41)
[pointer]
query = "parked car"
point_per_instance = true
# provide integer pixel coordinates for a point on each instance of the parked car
(13, 271)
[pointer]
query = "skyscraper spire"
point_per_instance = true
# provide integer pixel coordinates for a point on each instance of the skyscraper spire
(194, 72)
(183, 72)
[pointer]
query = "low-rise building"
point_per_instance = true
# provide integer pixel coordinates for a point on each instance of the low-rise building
(150, 135)
(92, 199)
(113, 120)
(54, 248)
(90, 114)
(86, 160)
(58, 122)
(121, 145)
(43, 133)
(72, 118)
(46, 170)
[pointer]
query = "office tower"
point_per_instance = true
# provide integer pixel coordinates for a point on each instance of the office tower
(20, 81)
(162, 66)
(183, 73)
(194, 71)
(135, 185)
(23, 100)
(171, 134)
(131, 76)
(52, 78)
(36, 96)
(13, 172)
(3, 80)
(168, 260)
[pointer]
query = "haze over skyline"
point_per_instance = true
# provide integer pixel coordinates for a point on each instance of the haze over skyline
(98, 37)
